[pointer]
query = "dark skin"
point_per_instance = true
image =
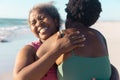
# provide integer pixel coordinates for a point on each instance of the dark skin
(94, 36)
(90, 50)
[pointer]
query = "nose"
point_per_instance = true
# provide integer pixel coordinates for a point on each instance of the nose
(39, 23)
(38, 28)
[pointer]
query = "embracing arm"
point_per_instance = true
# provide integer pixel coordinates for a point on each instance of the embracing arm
(26, 68)
(58, 45)
(68, 42)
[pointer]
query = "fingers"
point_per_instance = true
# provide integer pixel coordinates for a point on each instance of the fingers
(60, 34)
(74, 34)
(78, 40)
(75, 38)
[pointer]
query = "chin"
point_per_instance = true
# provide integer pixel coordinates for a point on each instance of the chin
(44, 37)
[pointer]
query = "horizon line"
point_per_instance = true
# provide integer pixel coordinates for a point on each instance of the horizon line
(62, 19)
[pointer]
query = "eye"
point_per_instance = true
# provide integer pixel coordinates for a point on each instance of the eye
(33, 22)
(41, 18)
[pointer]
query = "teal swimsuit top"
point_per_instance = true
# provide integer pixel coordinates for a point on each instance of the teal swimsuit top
(84, 68)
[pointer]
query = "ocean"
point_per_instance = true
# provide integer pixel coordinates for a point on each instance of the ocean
(13, 29)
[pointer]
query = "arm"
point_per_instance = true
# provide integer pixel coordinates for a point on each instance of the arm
(27, 68)
(64, 44)
(115, 74)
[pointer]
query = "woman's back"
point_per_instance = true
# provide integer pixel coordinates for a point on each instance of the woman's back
(86, 62)
(84, 68)
(94, 46)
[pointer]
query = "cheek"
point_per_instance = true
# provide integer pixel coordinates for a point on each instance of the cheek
(50, 21)
(54, 30)
(34, 30)
(54, 26)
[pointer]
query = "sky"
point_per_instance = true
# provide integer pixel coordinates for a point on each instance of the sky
(20, 8)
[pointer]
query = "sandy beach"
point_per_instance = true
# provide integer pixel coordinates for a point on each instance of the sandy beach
(9, 50)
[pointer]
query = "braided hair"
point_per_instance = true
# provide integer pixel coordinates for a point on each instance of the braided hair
(84, 11)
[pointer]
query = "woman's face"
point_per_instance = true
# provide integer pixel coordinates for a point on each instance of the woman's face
(42, 25)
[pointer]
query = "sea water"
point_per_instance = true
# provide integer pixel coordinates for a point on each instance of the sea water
(13, 29)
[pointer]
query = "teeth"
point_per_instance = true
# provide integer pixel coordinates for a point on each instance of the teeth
(43, 29)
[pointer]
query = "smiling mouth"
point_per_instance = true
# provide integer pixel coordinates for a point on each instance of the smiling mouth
(43, 30)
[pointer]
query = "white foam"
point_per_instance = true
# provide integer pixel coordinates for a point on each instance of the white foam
(10, 33)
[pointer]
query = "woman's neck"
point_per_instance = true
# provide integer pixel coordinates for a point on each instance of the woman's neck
(76, 25)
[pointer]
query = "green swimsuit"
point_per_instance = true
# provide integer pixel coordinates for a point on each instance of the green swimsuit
(84, 68)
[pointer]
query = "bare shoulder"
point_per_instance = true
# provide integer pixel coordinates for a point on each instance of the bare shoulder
(96, 36)
(27, 51)
(95, 33)
(24, 57)
(97, 40)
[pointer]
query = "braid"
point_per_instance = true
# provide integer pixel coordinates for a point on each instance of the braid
(84, 11)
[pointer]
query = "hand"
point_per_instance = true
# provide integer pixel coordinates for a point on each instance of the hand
(64, 44)
(70, 40)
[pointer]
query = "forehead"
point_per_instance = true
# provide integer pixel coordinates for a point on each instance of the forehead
(36, 13)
